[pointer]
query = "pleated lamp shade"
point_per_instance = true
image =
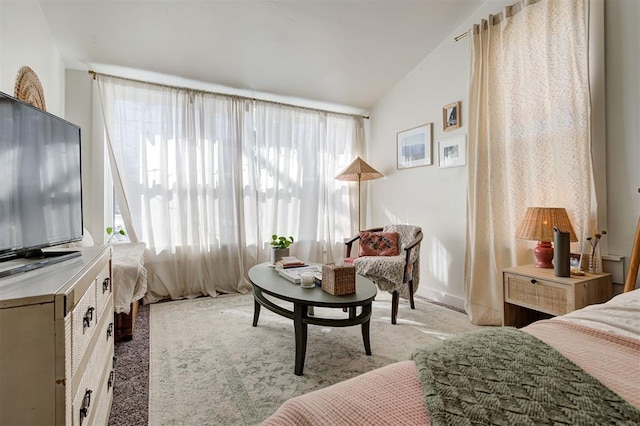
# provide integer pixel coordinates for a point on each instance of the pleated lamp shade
(358, 171)
(538, 224)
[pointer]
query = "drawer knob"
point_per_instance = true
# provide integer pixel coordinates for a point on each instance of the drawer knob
(109, 330)
(88, 317)
(105, 285)
(534, 281)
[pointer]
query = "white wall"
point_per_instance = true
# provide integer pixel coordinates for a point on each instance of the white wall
(435, 198)
(80, 110)
(622, 18)
(25, 39)
(431, 197)
(32, 45)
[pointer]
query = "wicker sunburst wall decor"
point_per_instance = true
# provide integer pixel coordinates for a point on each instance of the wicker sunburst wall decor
(29, 89)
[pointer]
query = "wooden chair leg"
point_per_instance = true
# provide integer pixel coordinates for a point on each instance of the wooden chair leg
(413, 305)
(395, 301)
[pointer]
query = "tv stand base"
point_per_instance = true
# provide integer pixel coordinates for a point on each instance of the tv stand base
(39, 259)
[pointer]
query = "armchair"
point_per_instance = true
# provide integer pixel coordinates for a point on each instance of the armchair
(399, 274)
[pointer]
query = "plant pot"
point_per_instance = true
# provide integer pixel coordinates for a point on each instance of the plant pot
(278, 253)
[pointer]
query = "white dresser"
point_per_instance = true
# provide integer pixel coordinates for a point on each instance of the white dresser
(56, 343)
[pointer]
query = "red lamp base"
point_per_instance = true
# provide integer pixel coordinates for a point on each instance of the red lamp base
(544, 254)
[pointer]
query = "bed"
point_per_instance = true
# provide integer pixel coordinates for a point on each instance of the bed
(585, 369)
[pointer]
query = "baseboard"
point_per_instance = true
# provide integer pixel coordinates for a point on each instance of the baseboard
(615, 265)
(440, 297)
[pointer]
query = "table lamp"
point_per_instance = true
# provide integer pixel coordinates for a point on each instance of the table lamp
(359, 170)
(538, 224)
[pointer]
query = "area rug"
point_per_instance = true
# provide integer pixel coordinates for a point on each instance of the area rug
(209, 366)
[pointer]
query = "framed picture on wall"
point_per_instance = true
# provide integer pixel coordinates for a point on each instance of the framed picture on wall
(414, 147)
(451, 116)
(452, 152)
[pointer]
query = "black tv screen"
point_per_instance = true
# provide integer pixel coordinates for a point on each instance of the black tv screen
(40, 179)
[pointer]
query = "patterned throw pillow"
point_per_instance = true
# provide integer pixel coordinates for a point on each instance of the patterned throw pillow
(378, 244)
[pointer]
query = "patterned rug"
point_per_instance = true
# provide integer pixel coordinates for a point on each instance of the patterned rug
(209, 366)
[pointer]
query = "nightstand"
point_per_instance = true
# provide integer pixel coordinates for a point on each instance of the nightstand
(532, 293)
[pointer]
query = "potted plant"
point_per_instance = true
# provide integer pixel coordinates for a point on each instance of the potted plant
(114, 233)
(279, 247)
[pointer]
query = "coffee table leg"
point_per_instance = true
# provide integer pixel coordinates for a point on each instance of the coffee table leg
(256, 312)
(300, 327)
(365, 329)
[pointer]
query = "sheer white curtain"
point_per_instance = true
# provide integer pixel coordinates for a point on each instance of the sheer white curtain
(205, 180)
(529, 137)
(296, 154)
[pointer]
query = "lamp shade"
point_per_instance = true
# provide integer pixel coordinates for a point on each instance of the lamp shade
(359, 170)
(538, 224)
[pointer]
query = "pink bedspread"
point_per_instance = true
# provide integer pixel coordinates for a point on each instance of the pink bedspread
(611, 358)
(385, 396)
(392, 395)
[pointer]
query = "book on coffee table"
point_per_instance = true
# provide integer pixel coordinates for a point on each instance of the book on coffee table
(289, 262)
(293, 274)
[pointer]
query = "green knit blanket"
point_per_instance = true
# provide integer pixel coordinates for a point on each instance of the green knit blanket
(503, 376)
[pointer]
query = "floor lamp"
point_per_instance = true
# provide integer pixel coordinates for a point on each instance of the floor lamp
(359, 170)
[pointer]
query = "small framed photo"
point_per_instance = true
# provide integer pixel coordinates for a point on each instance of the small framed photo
(578, 262)
(451, 116)
(452, 151)
(414, 147)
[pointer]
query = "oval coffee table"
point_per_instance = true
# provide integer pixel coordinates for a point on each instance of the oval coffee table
(266, 279)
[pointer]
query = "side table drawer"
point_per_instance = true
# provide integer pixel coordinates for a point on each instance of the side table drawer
(544, 296)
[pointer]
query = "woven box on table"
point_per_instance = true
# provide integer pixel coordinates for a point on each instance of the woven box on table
(338, 280)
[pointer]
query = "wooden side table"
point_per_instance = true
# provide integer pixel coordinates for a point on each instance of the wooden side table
(531, 293)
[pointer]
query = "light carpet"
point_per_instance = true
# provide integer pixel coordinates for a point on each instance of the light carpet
(209, 366)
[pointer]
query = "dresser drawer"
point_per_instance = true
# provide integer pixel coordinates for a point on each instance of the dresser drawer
(83, 323)
(103, 289)
(88, 389)
(104, 398)
(544, 296)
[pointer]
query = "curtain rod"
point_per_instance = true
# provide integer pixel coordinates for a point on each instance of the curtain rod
(461, 36)
(94, 74)
(507, 12)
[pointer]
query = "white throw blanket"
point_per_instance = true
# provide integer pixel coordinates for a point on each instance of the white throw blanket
(129, 275)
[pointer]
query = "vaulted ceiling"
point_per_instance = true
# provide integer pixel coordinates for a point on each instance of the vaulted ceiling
(346, 52)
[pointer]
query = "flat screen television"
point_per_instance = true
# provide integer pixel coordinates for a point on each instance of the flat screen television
(40, 183)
